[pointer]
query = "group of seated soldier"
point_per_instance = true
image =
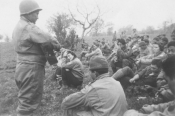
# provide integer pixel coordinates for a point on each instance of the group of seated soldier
(137, 62)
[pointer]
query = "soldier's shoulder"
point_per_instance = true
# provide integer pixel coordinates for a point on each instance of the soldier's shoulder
(32, 27)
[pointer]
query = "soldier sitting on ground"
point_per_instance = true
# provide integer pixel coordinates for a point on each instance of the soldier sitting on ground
(86, 49)
(96, 51)
(121, 56)
(103, 97)
(71, 72)
(147, 76)
(163, 109)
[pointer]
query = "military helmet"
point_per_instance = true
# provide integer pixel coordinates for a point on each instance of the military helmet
(28, 6)
(98, 62)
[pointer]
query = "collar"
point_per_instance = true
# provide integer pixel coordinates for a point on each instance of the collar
(100, 77)
(103, 76)
(25, 19)
(124, 48)
(156, 54)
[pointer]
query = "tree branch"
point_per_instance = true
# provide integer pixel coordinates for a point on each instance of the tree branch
(76, 19)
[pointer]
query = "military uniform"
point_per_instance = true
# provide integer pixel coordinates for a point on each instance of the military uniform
(104, 97)
(31, 60)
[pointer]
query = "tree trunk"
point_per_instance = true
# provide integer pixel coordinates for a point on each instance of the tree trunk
(82, 36)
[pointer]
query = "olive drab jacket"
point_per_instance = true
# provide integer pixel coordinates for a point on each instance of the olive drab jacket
(163, 109)
(27, 38)
(104, 97)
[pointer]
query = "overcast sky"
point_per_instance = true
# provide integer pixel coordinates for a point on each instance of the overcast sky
(139, 13)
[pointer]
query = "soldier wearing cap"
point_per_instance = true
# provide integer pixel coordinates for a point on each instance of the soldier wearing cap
(29, 43)
(104, 96)
(96, 52)
(143, 49)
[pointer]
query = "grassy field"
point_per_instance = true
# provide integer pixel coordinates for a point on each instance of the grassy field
(52, 97)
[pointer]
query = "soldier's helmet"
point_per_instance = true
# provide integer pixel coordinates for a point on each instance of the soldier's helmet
(98, 62)
(28, 6)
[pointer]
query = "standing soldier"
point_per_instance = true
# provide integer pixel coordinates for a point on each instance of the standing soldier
(29, 41)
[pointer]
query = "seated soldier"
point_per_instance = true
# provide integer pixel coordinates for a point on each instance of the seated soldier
(85, 50)
(105, 48)
(62, 57)
(121, 56)
(163, 109)
(143, 49)
(146, 77)
(128, 39)
(146, 41)
(71, 72)
(133, 42)
(149, 75)
(164, 41)
(103, 97)
(157, 53)
(164, 90)
(96, 51)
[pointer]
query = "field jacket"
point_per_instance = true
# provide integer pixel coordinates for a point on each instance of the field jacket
(104, 97)
(76, 68)
(28, 38)
(164, 109)
(148, 59)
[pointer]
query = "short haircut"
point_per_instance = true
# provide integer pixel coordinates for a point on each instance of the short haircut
(100, 71)
(157, 62)
(172, 43)
(168, 67)
(165, 40)
(161, 47)
(156, 38)
(122, 41)
(146, 41)
(71, 52)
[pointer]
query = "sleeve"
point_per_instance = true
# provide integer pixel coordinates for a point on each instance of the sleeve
(162, 56)
(143, 72)
(96, 52)
(37, 35)
(122, 54)
(76, 99)
(41, 37)
(148, 60)
(161, 75)
(159, 107)
(69, 65)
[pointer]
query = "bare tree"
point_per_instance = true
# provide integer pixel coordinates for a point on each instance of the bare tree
(97, 27)
(88, 20)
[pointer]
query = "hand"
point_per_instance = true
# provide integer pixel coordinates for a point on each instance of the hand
(145, 107)
(141, 98)
(63, 60)
(148, 87)
(54, 66)
(161, 89)
(132, 80)
(86, 55)
(138, 61)
(57, 46)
